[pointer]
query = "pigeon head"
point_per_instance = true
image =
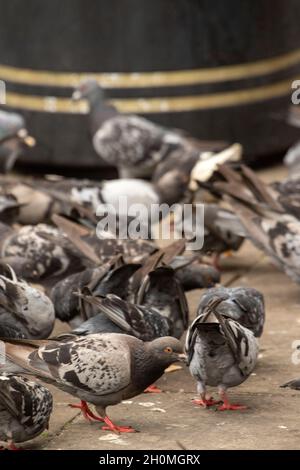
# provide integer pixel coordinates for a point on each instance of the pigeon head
(88, 89)
(167, 350)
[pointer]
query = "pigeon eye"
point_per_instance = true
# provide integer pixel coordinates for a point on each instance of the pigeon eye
(168, 350)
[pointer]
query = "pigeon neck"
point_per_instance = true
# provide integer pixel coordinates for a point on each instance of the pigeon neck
(145, 368)
(99, 112)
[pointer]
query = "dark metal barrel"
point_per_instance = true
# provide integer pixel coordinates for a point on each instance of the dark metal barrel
(219, 69)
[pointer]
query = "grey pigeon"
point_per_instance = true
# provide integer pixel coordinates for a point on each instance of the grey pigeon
(221, 353)
(293, 384)
(33, 253)
(118, 316)
(263, 219)
(24, 308)
(162, 290)
(102, 369)
(243, 304)
(108, 278)
(25, 409)
(13, 136)
(133, 144)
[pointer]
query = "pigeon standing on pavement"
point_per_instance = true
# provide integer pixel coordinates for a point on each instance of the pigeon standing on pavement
(221, 353)
(102, 369)
(25, 409)
(242, 304)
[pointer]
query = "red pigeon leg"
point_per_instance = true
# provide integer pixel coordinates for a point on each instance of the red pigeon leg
(206, 400)
(115, 428)
(228, 406)
(152, 389)
(87, 413)
(11, 446)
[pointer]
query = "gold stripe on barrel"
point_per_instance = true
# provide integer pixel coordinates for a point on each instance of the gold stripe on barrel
(152, 79)
(155, 105)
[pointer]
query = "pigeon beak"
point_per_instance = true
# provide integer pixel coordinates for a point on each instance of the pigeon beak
(76, 96)
(182, 357)
(27, 139)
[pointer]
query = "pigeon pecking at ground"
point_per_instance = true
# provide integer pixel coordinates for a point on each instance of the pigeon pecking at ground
(102, 369)
(221, 353)
(24, 309)
(25, 409)
(242, 304)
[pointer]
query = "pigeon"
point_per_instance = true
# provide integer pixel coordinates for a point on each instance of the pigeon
(242, 304)
(221, 353)
(101, 369)
(33, 253)
(110, 277)
(25, 409)
(118, 316)
(162, 290)
(13, 137)
(293, 384)
(133, 144)
(263, 220)
(218, 233)
(24, 310)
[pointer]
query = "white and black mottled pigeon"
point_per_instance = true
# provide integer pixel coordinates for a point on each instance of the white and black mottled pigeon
(263, 220)
(242, 304)
(133, 144)
(118, 316)
(33, 253)
(13, 135)
(102, 369)
(24, 308)
(221, 353)
(25, 409)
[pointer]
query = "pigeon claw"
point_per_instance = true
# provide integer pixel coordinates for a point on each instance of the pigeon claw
(206, 402)
(85, 410)
(228, 407)
(152, 389)
(115, 428)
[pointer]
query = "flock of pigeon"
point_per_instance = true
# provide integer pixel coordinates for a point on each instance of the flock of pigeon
(124, 300)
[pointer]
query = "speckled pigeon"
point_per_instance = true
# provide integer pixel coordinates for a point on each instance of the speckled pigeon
(243, 304)
(133, 144)
(102, 369)
(25, 409)
(221, 353)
